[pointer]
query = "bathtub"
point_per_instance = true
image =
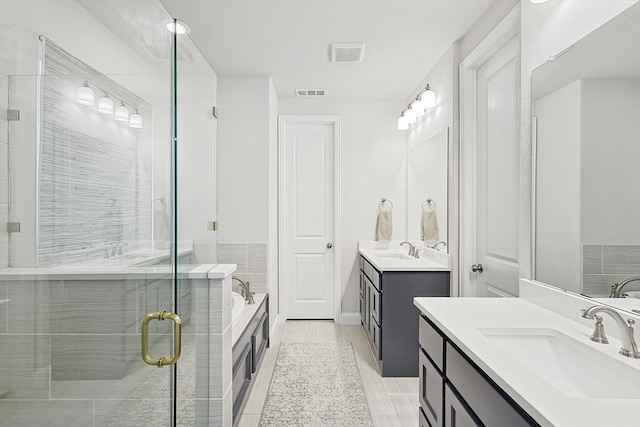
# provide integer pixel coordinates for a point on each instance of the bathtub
(237, 307)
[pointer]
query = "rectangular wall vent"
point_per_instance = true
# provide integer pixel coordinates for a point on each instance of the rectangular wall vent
(311, 92)
(347, 52)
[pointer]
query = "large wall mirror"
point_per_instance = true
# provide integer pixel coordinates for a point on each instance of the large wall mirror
(427, 175)
(586, 108)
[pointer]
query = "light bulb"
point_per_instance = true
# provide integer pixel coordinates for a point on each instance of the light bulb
(135, 120)
(122, 113)
(417, 108)
(410, 115)
(105, 105)
(428, 98)
(85, 95)
(403, 123)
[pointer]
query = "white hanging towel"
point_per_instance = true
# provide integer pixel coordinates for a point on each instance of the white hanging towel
(429, 225)
(384, 225)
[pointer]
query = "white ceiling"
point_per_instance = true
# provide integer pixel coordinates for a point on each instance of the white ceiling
(289, 40)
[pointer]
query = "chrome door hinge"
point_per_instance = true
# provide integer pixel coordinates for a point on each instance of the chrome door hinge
(212, 225)
(13, 227)
(13, 115)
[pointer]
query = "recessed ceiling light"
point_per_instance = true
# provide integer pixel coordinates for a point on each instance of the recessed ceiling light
(178, 27)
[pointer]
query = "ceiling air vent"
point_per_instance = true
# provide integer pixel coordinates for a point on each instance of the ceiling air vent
(347, 52)
(311, 92)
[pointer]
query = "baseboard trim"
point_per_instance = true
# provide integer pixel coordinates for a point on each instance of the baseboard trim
(350, 318)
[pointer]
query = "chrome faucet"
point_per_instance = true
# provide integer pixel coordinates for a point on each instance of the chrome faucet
(629, 347)
(616, 288)
(413, 251)
(439, 242)
(245, 290)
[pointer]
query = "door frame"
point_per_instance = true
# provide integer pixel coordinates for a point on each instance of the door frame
(284, 121)
(508, 28)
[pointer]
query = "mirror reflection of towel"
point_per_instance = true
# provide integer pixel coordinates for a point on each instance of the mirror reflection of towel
(429, 226)
(384, 226)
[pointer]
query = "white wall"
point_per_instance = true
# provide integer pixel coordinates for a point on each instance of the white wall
(547, 29)
(443, 79)
(558, 251)
(373, 165)
(243, 150)
(248, 181)
(610, 153)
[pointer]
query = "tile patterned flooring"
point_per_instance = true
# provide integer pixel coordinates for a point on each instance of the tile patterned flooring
(393, 402)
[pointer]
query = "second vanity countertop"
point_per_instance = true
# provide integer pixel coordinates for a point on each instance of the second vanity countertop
(390, 256)
(463, 319)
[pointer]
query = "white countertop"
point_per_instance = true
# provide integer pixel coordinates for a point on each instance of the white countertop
(461, 318)
(390, 256)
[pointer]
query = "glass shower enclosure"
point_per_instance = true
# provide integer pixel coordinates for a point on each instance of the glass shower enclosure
(107, 212)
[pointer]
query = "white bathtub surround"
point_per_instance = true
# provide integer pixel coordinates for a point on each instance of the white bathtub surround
(470, 322)
(243, 319)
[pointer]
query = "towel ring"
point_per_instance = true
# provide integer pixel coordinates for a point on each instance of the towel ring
(383, 201)
(429, 202)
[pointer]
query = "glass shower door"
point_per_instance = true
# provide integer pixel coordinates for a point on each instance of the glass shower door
(94, 204)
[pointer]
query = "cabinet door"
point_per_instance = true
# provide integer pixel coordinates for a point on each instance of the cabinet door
(455, 412)
(431, 390)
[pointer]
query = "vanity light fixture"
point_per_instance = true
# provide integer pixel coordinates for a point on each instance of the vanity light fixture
(122, 113)
(135, 120)
(85, 95)
(426, 99)
(105, 105)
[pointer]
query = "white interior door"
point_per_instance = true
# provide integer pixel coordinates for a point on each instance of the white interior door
(498, 132)
(308, 198)
(489, 163)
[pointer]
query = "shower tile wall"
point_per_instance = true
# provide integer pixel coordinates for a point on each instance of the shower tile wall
(604, 265)
(251, 261)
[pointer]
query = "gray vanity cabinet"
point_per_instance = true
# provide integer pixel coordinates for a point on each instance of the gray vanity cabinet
(454, 392)
(389, 317)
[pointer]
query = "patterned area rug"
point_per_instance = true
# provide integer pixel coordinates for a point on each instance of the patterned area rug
(315, 385)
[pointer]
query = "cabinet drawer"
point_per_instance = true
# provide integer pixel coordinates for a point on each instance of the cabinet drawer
(432, 342)
(371, 273)
(430, 390)
(455, 412)
(480, 395)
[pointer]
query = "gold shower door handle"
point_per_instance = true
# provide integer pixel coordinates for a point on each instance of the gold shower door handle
(177, 345)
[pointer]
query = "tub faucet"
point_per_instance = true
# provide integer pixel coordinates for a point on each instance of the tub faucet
(245, 290)
(413, 251)
(629, 347)
(616, 288)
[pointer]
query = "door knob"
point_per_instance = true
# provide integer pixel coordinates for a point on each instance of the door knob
(476, 268)
(329, 245)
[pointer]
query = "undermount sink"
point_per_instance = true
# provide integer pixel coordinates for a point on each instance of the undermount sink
(393, 254)
(572, 367)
